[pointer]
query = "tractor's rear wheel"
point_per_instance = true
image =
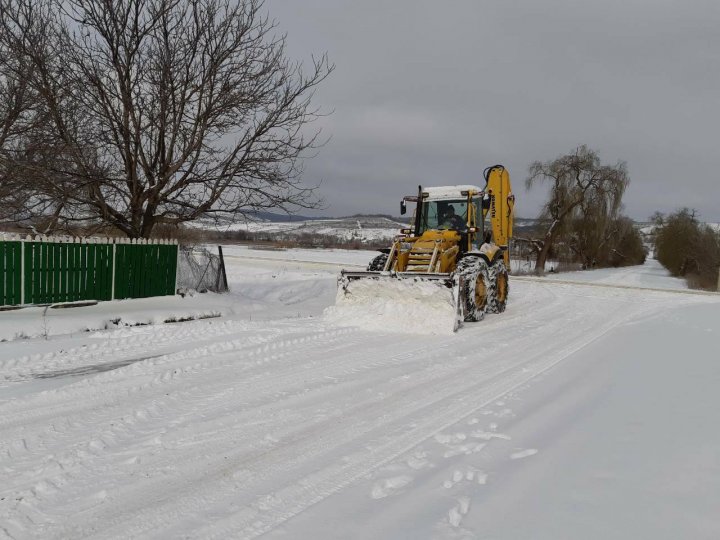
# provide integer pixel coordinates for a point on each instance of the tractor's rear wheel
(499, 287)
(378, 263)
(474, 287)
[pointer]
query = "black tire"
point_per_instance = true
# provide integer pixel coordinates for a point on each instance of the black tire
(378, 263)
(474, 285)
(499, 287)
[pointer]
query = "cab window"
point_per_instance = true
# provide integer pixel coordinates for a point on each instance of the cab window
(435, 214)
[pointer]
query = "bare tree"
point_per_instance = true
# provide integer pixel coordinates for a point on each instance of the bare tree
(581, 188)
(18, 117)
(165, 111)
(32, 194)
(13, 109)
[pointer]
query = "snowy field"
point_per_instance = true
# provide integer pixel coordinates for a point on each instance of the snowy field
(361, 228)
(584, 411)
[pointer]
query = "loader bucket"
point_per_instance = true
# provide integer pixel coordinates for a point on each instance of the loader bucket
(397, 302)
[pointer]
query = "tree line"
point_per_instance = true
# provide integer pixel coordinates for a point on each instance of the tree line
(581, 221)
(688, 248)
(138, 114)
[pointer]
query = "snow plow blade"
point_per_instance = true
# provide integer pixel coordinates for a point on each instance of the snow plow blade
(350, 275)
(398, 301)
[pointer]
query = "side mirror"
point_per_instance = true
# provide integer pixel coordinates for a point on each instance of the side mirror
(486, 201)
(403, 208)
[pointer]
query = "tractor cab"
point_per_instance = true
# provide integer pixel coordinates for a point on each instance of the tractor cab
(443, 215)
(451, 208)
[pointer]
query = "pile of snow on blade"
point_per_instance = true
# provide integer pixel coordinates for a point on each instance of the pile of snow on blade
(394, 305)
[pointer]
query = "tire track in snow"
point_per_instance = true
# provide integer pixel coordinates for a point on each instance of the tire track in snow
(129, 424)
(313, 442)
(349, 366)
(116, 349)
(519, 376)
(263, 515)
(173, 359)
(357, 370)
(99, 444)
(99, 441)
(166, 501)
(82, 397)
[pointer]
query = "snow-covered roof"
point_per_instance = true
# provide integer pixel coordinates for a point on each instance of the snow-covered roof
(448, 192)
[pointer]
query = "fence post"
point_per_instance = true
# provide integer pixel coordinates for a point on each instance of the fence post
(718, 286)
(222, 270)
(177, 266)
(112, 284)
(22, 272)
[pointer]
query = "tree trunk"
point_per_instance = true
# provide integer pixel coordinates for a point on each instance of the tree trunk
(542, 258)
(547, 245)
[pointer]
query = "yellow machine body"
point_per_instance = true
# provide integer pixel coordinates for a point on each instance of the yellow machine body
(452, 249)
(433, 252)
(501, 209)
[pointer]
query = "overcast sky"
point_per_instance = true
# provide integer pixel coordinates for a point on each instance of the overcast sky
(432, 92)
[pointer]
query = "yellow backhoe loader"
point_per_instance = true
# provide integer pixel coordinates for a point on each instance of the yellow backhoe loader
(449, 247)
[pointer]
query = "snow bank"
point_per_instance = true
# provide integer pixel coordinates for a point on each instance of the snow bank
(34, 322)
(650, 275)
(395, 305)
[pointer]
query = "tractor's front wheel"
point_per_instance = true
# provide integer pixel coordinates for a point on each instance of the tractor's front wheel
(474, 287)
(499, 287)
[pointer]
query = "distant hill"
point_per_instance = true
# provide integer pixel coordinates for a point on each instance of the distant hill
(278, 218)
(293, 218)
(274, 227)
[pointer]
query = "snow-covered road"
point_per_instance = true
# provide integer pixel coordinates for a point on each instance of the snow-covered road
(576, 405)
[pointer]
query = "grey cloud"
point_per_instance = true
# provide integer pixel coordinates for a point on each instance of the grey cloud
(433, 92)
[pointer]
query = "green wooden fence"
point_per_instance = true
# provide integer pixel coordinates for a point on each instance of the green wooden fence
(10, 281)
(146, 270)
(50, 270)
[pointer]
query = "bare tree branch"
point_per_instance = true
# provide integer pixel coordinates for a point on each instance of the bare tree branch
(167, 111)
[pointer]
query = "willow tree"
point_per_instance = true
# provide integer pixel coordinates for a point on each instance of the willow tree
(583, 200)
(166, 111)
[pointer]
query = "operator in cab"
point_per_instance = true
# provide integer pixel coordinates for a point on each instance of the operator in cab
(452, 220)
